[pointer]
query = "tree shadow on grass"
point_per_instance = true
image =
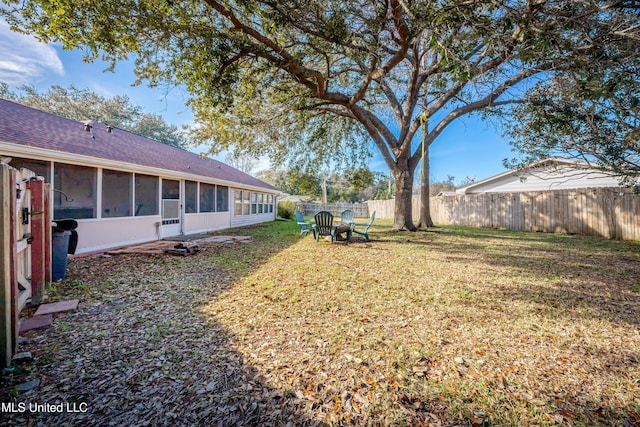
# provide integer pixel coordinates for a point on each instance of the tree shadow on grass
(140, 351)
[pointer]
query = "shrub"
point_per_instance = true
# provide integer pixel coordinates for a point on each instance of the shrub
(286, 209)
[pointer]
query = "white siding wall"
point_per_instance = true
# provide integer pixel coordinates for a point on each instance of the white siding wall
(203, 222)
(546, 179)
(239, 221)
(95, 235)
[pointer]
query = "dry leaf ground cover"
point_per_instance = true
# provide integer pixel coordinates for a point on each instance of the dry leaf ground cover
(454, 326)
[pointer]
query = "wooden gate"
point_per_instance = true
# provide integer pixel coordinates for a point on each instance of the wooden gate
(25, 253)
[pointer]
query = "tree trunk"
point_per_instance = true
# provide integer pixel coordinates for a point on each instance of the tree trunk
(324, 188)
(404, 187)
(425, 209)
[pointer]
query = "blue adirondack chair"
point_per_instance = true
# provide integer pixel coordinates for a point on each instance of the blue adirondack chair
(324, 226)
(305, 227)
(366, 226)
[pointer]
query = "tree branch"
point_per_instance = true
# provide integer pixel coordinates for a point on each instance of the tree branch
(288, 63)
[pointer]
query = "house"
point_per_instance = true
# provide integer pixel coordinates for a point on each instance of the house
(123, 188)
(545, 175)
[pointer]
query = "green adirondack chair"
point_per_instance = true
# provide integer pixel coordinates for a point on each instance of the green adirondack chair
(324, 226)
(347, 217)
(305, 227)
(364, 231)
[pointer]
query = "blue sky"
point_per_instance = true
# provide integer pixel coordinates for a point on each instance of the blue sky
(468, 147)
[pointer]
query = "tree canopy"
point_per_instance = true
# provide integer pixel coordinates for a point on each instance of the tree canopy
(591, 114)
(353, 185)
(325, 81)
(83, 104)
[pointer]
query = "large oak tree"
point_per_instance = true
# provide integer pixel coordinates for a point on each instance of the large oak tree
(318, 80)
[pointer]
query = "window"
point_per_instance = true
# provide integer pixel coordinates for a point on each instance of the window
(146, 195)
(190, 197)
(40, 167)
(207, 200)
(260, 203)
(222, 199)
(237, 202)
(254, 204)
(75, 195)
(246, 195)
(270, 203)
(116, 194)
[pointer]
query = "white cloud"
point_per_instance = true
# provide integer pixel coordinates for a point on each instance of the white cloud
(25, 59)
(263, 164)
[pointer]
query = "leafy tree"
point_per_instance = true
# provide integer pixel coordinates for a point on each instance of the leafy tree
(293, 181)
(83, 104)
(443, 185)
(592, 115)
(243, 162)
(381, 188)
(319, 80)
(359, 178)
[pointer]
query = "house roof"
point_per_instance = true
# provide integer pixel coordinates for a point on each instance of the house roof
(35, 128)
(551, 161)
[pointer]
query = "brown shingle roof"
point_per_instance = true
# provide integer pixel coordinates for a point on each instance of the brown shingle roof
(27, 126)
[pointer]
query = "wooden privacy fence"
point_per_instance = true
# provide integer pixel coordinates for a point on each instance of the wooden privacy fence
(605, 212)
(25, 253)
(361, 210)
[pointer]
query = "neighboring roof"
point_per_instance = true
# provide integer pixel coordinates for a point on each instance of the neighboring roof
(554, 175)
(30, 127)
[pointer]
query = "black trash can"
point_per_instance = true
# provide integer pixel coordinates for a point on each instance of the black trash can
(68, 225)
(59, 249)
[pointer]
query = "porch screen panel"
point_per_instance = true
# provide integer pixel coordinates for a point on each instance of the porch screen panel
(76, 191)
(146, 195)
(222, 199)
(170, 211)
(207, 197)
(116, 194)
(40, 167)
(170, 189)
(190, 197)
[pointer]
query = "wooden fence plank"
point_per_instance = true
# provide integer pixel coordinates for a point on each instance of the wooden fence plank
(38, 277)
(48, 273)
(6, 345)
(361, 210)
(13, 262)
(604, 212)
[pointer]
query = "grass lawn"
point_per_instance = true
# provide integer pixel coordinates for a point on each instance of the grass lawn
(452, 326)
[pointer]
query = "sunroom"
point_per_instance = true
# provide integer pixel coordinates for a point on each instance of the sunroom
(123, 189)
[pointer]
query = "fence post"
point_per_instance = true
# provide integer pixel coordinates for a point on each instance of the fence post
(38, 233)
(6, 345)
(48, 277)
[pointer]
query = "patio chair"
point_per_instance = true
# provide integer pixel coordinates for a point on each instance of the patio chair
(347, 217)
(366, 226)
(305, 227)
(324, 226)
